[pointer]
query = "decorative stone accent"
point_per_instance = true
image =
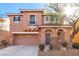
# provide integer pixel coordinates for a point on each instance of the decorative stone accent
(46, 47)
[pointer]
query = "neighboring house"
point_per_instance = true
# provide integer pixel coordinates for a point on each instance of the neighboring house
(1, 23)
(5, 34)
(6, 24)
(32, 27)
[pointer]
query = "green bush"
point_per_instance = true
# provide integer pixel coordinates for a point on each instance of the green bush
(51, 47)
(41, 47)
(64, 44)
(75, 45)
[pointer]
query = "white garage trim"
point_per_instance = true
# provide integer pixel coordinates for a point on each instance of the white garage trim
(25, 32)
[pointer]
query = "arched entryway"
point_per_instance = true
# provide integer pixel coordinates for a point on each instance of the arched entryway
(48, 36)
(61, 35)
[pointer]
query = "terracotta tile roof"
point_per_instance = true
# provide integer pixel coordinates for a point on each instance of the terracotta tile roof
(24, 10)
(31, 9)
(14, 14)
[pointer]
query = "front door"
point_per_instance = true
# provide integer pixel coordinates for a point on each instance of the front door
(47, 38)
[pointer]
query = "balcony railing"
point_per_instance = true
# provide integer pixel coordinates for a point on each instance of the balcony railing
(53, 23)
(50, 20)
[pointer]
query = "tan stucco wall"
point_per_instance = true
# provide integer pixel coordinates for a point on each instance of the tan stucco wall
(24, 21)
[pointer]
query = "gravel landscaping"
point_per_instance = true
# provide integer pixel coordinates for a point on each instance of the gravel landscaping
(69, 52)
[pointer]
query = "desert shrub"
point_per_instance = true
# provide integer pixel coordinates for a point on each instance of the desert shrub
(75, 45)
(41, 47)
(4, 43)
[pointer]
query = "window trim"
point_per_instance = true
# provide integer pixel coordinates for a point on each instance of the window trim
(16, 20)
(29, 20)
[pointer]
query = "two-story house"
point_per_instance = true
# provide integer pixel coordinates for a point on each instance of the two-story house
(33, 27)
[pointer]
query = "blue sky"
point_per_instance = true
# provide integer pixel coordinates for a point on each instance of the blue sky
(14, 7)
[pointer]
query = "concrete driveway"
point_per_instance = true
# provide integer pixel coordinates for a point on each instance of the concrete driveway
(19, 51)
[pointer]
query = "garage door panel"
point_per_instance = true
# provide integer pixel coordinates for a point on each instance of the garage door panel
(26, 39)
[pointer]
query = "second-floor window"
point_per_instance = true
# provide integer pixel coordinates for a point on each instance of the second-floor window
(16, 18)
(54, 20)
(32, 20)
(47, 19)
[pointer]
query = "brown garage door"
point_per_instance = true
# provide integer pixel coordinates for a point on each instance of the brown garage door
(24, 39)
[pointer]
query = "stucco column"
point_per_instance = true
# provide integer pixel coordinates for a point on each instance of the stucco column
(42, 39)
(54, 33)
